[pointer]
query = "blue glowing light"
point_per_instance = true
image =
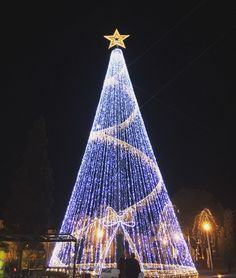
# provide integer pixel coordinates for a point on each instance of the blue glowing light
(120, 189)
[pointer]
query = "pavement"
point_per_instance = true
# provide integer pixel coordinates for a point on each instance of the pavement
(218, 276)
(215, 274)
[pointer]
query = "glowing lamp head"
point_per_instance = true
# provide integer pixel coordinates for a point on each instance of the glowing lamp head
(99, 233)
(206, 226)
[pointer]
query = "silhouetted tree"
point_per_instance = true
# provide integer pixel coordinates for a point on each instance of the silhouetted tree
(190, 202)
(31, 198)
(226, 241)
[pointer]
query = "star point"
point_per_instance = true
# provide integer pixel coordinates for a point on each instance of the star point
(116, 39)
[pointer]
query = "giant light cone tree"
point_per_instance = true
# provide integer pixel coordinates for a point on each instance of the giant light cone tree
(119, 190)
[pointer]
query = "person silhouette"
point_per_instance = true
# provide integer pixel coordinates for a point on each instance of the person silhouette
(121, 266)
(132, 267)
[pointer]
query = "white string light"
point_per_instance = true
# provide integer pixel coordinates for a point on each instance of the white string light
(120, 189)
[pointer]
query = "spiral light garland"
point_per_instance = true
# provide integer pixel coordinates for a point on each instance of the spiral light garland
(120, 190)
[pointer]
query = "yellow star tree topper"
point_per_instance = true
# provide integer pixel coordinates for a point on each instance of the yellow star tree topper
(116, 39)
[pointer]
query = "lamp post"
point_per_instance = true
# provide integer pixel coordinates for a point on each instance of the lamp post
(207, 227)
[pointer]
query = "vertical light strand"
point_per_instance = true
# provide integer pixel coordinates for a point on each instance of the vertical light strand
(119, 187)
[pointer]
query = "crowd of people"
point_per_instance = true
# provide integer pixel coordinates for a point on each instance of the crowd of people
(129, 266)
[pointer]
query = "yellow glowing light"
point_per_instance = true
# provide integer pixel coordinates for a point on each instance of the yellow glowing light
(206, 226)
(99, 233)
(219, 276)
(116, 39)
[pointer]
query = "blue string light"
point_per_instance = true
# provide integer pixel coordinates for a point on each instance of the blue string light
(120, 189)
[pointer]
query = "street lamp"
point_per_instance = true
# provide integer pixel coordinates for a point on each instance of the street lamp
(207, 227)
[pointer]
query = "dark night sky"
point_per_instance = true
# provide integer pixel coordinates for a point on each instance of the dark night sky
(181, 58)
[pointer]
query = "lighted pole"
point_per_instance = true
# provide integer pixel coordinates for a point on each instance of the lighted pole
(207, 227)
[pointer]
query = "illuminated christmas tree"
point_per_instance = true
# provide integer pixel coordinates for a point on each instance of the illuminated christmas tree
(119, 190)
